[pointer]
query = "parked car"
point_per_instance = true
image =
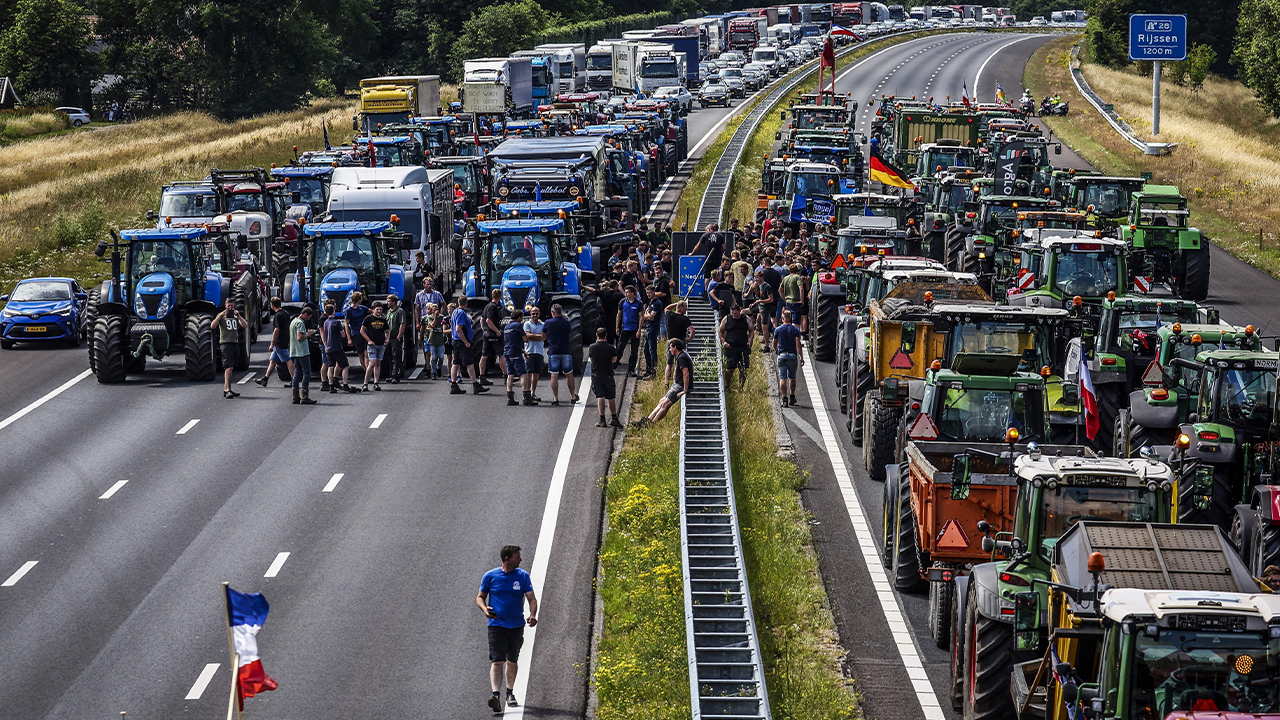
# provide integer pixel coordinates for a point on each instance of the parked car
(47, 308)
(77, 116)
(677, 94)
(714, 94)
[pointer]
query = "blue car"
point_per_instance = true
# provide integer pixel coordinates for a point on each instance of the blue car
(42, 309)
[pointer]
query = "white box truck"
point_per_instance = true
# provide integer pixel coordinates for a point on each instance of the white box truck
(600, 66)
(571, 65)
(411, 193)
(626, 66)
(497, 86)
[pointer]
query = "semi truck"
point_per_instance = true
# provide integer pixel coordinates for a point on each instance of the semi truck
(600, 66)
(544, 72)
(645, 66)
(745, 33)
(420, 199)
(396, 98)
(498, 86)
(571, 65)
(688, 46)
(708, 39)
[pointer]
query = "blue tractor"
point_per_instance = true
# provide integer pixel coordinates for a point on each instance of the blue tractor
(161, 302)
(581, 240)
(343, 257)
(532, 260)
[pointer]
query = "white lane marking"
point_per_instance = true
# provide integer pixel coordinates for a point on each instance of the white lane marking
(546, 536)
(333, 482)
(416, 372)
(247, 378)
(186, 428)
(51, 395)
(14, 578)
(809, 431)
(276, 564)
(990, 57)
(202, 682)
(377, 422)
(903, 640)
(112, 491)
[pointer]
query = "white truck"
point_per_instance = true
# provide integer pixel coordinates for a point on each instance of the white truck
(412, 193)
(600, 66)
(708, 35)
(640, 66)
(497, 86)
(571, 65)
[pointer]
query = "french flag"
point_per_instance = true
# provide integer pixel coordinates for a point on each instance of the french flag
(246, 614)
(1089, 399)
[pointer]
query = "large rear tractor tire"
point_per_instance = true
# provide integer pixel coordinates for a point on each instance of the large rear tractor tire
(1221, 504)
(842, 380)
(879, 435)
(108, 348)
(198, 341)
(1111, 399)
(859, 387)
(87, 321)
(1195, 274)
(573, 313)
(825, 319)
(246, 348)
(989, 664)
(957, 655)
(906, 556)
(242, 296)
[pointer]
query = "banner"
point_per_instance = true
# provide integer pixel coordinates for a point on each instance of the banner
(813, 209)
(1007, 167)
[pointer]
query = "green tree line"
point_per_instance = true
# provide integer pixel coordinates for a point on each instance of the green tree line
(242, 57)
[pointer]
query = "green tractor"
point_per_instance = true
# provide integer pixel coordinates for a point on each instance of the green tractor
(996, 219)
(948, 212)
(1166, 249)
(1063, 269)
(1104, 199)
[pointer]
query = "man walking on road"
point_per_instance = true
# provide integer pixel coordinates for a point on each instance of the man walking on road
(463, 337)
(229, 322)
(786, 342)
(332, 333)
(558, 331)
(503, 592)
(300, 355)
(513, 353)
(396, 323)
(374, 332)
(603, 355)
(628, 327)
(737, 333)
(279, 350)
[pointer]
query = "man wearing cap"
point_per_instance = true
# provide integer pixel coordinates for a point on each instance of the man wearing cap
(396, 323)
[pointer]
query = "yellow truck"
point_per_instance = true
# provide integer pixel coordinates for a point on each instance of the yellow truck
(396, 98)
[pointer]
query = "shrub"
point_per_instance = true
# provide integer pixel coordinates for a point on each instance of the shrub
(81, 228)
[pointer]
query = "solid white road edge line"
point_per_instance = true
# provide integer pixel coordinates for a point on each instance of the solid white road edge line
(51, 395)
(112, 491)
(333, 482)
(276, 565)
(547, 536)
(14, 578)
(247, 378)
(377, 422)
(902, 637)
(202, 682)
(186, 428)
(990, 57)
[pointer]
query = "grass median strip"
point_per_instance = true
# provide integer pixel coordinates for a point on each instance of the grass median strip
(1226, 163)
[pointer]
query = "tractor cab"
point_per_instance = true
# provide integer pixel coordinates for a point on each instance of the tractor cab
(578, 241)
(306, 185)
(940, 156)
(982, 408)
(1167, 249)
(185, 202)
(389, 151)
(343, 257)
(436, 133)
(519, 256)
(1105, 200)
(1062, 269)
(470, 181)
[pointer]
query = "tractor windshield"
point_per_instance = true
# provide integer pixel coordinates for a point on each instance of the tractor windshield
(1107, 199)
(246, 201)
(310, 190)
(955, 195)
(513, 249)
(1162, 214)
(812, 119)
(1087, 274)
(998, 216)
(171, 256)
(200, 204)
(811, 183)
(464, 176)
(844, 211)
(1003, 338)
(1065, 504)
(399, 155)
(354, 252)
(937, 159)
(977, 415)
(1246, 397)
(1185, 669)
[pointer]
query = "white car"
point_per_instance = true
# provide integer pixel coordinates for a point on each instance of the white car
(1038, 21)
(76, 115)
(677, 94)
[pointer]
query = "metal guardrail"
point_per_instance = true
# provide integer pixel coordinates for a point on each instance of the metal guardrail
(1109, 113)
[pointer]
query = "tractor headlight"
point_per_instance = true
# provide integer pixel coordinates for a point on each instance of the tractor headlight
(139, 307)
(164, 306)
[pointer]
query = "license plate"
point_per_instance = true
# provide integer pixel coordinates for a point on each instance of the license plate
(36, 328)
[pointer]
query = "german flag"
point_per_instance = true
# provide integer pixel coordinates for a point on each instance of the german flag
(884, 172)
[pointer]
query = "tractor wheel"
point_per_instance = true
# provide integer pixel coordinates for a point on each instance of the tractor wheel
(906, 555)
(286, 291)
(109, 348)
(1221, 503)
(87, 321)
(842, 380)
(1110, 398)
(282, 263)
(242, 295)
(1194, 283)
(1121, 444)
(1266, 548)
(1244, 529)
(573, 313)
(888, 523)
(590, 319)
(988, 665)
(957, 655)
(879, 435)
(198, 342)
(859, 387)
(246, 348)
(826, 316)
(409, 347)
(941, 597)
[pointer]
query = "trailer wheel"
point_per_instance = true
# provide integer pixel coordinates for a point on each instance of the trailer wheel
(1244, 528)
(880, 434)
(906, 555)
(198, 341)
(825, 317)
(108, 349)
(888, 504)
(1194, 283)
(941, 595)
(1220, 508)
(989, 664)
(246, 348)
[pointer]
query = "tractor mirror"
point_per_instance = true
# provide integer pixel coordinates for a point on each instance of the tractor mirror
(782, 115)
(908, 338)
(1026, 620)
(151, 214)
(199, 201)
(1070, 393)
(960, 474)
(407, 242)
(220, 243)
(1212, 316)
(101, 249)
(1070, 690)
(1057, 149)
(295, 197)
(242, 242)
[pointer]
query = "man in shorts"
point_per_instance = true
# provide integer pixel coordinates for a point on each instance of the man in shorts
(558, 331)
(793, 287)
(332, 334)
(603, 356)
(491, 331)
(463, 335)
(680, 369)
(279, 350)
(737, 333)
(374, 332)
(535, 359)
(503, 592)
(786, 342)
(513, 355)
(229, 323)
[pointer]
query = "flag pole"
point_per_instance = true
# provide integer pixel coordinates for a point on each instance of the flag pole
(231, 649)
(231, 702)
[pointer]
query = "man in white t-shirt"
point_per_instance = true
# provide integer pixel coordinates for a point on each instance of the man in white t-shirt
(535, 350)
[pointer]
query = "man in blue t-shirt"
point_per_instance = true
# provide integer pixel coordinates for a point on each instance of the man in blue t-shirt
(628, 327)
(463, 337)
(559, 353)
(503, 591)
(513, 355)
(786, 342)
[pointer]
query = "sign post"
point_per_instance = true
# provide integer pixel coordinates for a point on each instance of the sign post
(1155, 38)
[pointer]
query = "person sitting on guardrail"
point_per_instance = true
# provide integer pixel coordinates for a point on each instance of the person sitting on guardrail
(682, 366)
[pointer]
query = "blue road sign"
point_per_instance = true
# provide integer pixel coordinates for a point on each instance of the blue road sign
(1157, 37)
(691, 282)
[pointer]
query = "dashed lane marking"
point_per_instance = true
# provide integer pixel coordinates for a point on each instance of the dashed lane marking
(187, 428)
(333, 482)
(49, 396)
(112, 491)
(377, 422)
(246, 378)
(14, 578)
(276, 564)
(202, 682)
